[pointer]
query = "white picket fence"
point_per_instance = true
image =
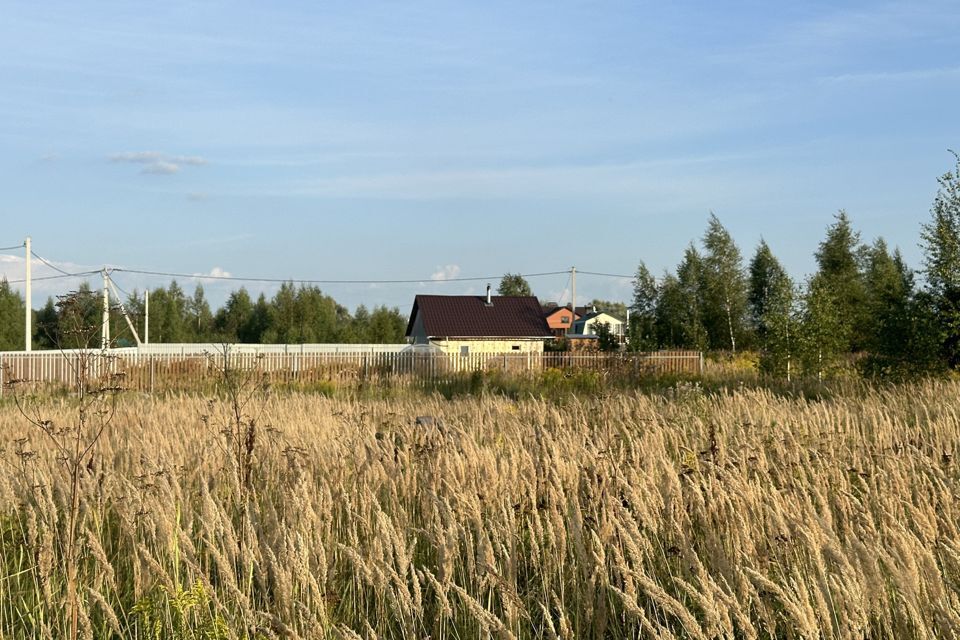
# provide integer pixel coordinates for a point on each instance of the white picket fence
(156, 370)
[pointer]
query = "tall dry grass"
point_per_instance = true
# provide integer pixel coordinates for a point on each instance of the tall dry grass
(745, 515)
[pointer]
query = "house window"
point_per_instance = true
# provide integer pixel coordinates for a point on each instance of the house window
(465, 350)
(565, 319)
(515, 347)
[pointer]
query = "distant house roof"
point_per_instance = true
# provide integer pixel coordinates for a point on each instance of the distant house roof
(549, 311)
(472, 317)
(594, 314)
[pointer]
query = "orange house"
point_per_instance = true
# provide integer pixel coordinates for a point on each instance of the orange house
(560, 319)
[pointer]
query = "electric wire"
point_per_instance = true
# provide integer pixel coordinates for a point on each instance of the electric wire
(50, 264)
(56, 277)
(605, 275)
(19, 246)
(121, 289)
(198, 276)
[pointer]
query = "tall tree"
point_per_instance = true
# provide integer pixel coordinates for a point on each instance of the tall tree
(513, 284)
(200, 317)
(643, 320)
(824, 329)
(941, 246)
(233, 316)
(903, 338)
(690, 301)
(840, 258)
(168, 321)
(724, 288)
(387, 326)
(768, 280)
(781, 321)
(46, 327)
(257, 323)
(670, 312)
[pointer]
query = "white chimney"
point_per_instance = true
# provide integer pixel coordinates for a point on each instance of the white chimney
(489, 299)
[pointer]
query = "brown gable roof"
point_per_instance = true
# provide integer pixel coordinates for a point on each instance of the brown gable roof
(471, 317)
(547, 312)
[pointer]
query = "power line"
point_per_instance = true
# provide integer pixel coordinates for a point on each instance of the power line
(50, 264)
(605, 275)
(167, 274)
(57, 277)
(122, 290)
(19, 246)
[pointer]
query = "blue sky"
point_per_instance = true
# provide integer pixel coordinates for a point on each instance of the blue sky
(357, 140)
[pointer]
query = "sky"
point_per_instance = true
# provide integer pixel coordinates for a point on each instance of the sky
(426, 141)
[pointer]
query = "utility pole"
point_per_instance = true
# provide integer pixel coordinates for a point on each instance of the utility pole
(28, 295)
(105, 327)
(123, 310)
(146, 316)
(573, 298)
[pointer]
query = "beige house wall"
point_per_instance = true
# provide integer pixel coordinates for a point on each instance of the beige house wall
(482, 346)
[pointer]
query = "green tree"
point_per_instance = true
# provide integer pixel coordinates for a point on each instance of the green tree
(12, 318)
(724, 288)
(643, 320)
(200, 317)
(46, 326)
(941, 246)
(606, 340)
(690, 301)
(233, 316)
(824, 330)
(904, 337)
(669, 312)
(839, 259)
(781, 321)
(168, 321)
(286, 324)
(387, 326)
(257, 324)
(769, 283)
(513, 284)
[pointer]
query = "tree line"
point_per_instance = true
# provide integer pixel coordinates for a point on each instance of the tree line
(863, 304)
(293, 315)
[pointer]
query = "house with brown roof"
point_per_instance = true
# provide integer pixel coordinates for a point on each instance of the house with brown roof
(468, 325)
(559, 319)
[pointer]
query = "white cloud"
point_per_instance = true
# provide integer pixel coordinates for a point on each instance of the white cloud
(161, 168)
(14, 269)
(216, 272)
(156, 163)
(445, 272)
(195, 161)
(141, 157)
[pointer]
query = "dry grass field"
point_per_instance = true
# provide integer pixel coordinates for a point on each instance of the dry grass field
(682, 515)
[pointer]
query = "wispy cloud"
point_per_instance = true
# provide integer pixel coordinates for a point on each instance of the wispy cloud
(893, 76)
(216, 272)
(445, 272)
(161, 168)
(156, 163)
